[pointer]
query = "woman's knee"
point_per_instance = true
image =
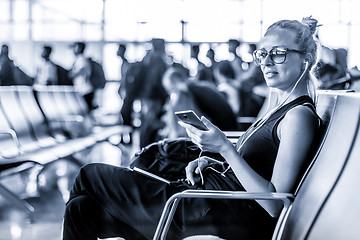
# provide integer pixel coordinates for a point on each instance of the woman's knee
(90, 167)
(88, 171)
(82, 209)
(80, 220)
(76, 206)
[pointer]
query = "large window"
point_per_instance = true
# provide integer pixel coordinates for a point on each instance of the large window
(27, 24)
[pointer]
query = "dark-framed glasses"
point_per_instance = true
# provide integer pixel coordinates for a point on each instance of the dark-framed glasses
(276, 54)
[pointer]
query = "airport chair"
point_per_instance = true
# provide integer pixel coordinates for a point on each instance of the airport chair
(56, 121)
(325, 171)
(338, 216)
(74, 106)
(10, 146)
(22, 147)
(17, 121)
(30, 148)
(10, 150)
(21, 123)
(62, 146)
(34, 116)
(341, 114)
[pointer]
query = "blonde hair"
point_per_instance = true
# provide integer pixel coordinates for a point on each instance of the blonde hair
(305, 37)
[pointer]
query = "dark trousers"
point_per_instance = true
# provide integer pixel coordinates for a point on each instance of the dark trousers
(151, 111)
(127, 109)
(100, 186)
(87, 220)
(89, 100)
(108, 201)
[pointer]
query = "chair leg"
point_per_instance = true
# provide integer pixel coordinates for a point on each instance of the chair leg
(170, 218)
(18, 202)
(166, 217)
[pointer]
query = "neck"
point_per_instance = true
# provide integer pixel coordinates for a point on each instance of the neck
(291, 94)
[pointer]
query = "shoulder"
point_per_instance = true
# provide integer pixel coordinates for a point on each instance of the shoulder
(301, 113)
(300, 120)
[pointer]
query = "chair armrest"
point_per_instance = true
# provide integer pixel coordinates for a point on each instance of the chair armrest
(233, 136)
(172, 203)
(70, 118)
(245, 119)
(15, 139)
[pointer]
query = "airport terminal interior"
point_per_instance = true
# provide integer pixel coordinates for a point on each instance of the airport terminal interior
(118, 32)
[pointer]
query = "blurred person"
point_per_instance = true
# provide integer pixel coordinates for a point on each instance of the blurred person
(10, 74)
(125, 90)
(179, 66)
(236, 60)
(199, 71)
(80, 73)
(252, 88)
(47, 72)
(180, 98)
(226, 84)
(210, 54)
(213, 104)
(354, 73)
(7, 75)
(195, 63)
(332, 68)
(123, 70)
(150, 90)
(109, 201)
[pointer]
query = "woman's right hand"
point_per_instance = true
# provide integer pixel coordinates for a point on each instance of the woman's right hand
(211, 140)
(194, 168)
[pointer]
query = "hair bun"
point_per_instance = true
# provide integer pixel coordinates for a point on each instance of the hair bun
(311, 23)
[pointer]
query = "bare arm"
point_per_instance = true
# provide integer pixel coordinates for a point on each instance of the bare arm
(296, 132)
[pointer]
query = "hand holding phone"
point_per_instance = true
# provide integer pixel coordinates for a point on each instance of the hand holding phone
(191, 118)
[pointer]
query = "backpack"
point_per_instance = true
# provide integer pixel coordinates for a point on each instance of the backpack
(63, 75)
(97, 76)
(169, 157)
(21, 78)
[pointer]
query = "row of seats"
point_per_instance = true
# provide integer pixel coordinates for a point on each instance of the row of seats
(325, 204)
(39, 126)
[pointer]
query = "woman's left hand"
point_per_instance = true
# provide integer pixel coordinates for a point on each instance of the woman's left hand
(211, 140)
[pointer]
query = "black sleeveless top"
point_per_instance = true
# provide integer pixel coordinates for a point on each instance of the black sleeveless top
(261, 147)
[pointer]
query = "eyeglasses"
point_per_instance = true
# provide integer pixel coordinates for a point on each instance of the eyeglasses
(276, 54)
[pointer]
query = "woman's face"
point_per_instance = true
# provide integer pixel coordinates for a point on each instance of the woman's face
(281, 76)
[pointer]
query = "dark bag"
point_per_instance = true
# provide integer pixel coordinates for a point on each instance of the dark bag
(214, 106)
(166, 158)
(63, 75)
(169, 157)
(97, 76)
(21, 78)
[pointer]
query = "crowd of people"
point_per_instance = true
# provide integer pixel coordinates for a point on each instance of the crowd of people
(214, 90)
(240, 83)
(86, 75)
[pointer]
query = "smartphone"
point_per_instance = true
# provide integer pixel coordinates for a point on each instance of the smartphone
(191, 118)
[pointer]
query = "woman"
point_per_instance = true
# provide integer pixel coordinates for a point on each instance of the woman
(108, 201)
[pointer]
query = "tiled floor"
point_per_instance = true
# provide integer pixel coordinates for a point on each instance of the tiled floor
(49, 200)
